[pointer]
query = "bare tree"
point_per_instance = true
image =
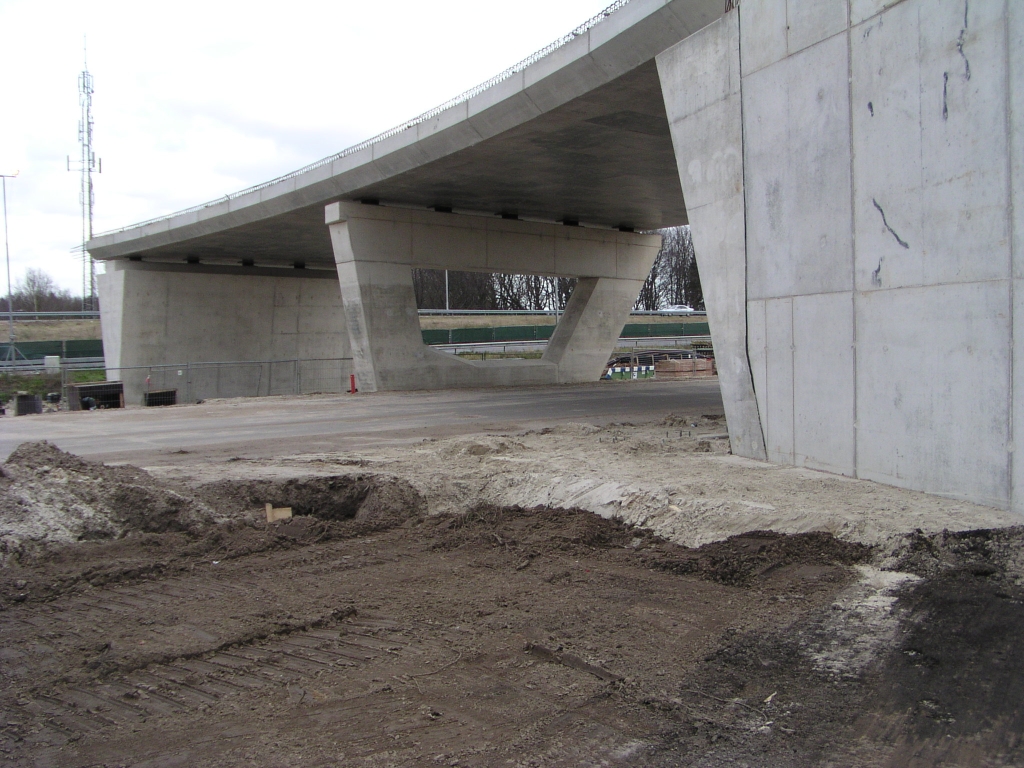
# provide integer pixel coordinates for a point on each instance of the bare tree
(481, 290)
(674, 278)
(38, 292)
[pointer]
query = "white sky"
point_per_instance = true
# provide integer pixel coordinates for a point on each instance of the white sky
(198, 99)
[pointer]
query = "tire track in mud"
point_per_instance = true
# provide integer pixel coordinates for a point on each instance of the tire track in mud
(369, 670)
(283, 666)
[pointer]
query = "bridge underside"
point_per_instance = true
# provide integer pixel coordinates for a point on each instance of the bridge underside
(604, 158)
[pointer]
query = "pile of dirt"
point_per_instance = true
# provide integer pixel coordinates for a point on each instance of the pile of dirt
(50, 497)
(739, 560)
(524, 534)
(992, 553)
(528, 533)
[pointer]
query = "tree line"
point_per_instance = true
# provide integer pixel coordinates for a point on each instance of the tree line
(673, 280)
(38, 292)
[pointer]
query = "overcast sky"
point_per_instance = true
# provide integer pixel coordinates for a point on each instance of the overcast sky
(198, 99)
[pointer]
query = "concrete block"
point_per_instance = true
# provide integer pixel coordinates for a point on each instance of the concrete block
(374, 262)
(1015, 37)
(385, 240)
(400, 160)
(862, 10)
(590, 258)
(823, 382)
(695, 14)
(797, 161)
(515, 252)
(285, 320)
(450, 118)
(560, 60)
(964, 175)
(625, 20)
(915, 101)
(780, 410)
(711, 163)
(1016, 446)
(757, 352)
(634, 261)
(320, 322)
(449, 247)
(696, 76)
(287, 295)
(763, 34)
(933, 389)
(443, 143)
(362, 159)
(110, 287)
(633, 35)
(810, 23)
(501, 107)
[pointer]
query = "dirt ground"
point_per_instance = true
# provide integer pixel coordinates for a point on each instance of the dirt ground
(625, 595)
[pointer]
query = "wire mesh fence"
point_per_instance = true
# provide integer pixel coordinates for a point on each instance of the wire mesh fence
(195, 382)
(203, 381)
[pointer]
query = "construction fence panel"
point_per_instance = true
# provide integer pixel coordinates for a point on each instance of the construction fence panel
(510, 333)
(194, 382)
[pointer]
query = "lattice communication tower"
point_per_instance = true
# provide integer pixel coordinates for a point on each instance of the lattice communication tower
(88, 163)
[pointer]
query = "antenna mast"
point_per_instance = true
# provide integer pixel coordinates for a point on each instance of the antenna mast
(87, 197)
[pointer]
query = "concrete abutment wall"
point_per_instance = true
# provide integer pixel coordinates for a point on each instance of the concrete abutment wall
(160, 314)
(852, 172)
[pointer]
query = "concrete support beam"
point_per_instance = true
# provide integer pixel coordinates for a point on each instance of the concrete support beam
(377, 247)
(701, 85)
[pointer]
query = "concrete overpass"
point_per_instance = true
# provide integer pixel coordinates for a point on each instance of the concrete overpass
(851, 170)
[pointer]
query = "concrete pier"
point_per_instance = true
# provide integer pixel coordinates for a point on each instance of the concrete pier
(376, 248)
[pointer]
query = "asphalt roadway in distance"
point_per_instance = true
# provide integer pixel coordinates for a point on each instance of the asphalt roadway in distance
(273, 426)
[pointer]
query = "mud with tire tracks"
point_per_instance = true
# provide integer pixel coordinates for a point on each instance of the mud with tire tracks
(366, 632)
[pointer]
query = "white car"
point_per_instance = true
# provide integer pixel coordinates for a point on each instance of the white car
(679, 309)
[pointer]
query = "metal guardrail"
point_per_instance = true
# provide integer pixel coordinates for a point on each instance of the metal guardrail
(428, 115)
(548, 312)
(20, 317)
(514, 347)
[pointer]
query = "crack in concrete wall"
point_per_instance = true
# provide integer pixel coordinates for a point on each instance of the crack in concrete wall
(892, 232)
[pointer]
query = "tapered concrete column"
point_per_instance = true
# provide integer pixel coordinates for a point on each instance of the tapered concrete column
(592, 323)
(701, 86)
(376, 248)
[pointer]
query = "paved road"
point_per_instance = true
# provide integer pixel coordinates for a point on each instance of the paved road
(274, 426)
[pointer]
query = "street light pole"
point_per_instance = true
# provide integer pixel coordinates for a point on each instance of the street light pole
(12, 353)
